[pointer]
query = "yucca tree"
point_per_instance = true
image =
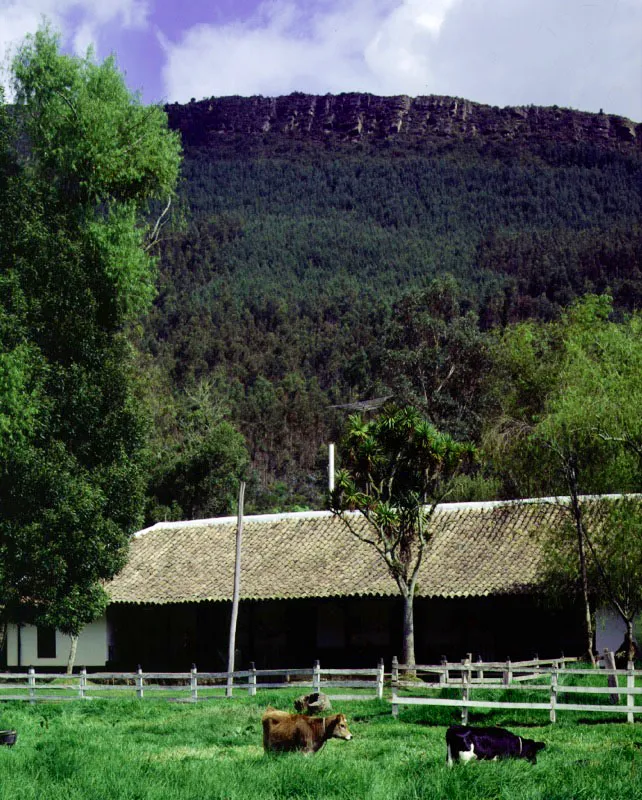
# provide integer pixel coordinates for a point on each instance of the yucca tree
(396, 468)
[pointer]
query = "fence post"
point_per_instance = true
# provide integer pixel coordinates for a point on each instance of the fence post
(193, 683)
(82, 682)
(380, 679)
(139, 682)
(394, 682)
(536, 660)
(553, 712)
(251, 681)
(508, 673)
(316, 676)
(480, 671)
(31, 680)
(630, 697)
(611, 678)
(443, 676)
(465, 688)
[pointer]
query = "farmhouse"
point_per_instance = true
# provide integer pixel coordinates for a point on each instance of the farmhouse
(310, 589)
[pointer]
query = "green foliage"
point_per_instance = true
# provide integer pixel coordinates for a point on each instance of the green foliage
(202, 479)
(436, 357)
(195, 457)
(318, 260)
(616, 550)
(567, 393)
(569, 403)
(602, 380)
(396, 468)
(89, 135)
(80, 163)
(613, 534)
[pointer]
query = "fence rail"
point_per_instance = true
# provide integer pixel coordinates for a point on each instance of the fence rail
(555, 680)
(189, 686)
(551, 677)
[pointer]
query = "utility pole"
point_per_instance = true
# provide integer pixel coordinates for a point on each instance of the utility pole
(237, 592)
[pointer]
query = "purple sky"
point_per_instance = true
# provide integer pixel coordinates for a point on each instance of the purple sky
(579, 54)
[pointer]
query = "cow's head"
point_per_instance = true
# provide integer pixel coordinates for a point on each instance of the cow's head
(338, 727)
(531, 748)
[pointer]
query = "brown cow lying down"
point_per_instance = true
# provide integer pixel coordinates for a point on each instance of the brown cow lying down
(283, 731)
(467, 743)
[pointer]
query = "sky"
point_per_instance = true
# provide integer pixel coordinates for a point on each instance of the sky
(581, 55)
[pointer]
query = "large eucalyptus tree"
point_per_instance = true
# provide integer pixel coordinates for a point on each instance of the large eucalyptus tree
(83, 167)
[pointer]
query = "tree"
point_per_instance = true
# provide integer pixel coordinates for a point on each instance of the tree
(82, 164)
(397, 468)
(436, 358)
(558, 431)
(614, 557)
(616, 550)
(199, 462)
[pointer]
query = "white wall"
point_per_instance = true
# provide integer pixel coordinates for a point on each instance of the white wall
(92, 647)
(610, 629)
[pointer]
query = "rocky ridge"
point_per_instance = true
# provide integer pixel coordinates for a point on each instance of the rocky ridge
(356, 117)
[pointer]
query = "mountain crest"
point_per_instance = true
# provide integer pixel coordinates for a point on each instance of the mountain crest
(358, 117)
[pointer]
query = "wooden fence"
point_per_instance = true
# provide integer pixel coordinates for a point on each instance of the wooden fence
(552, 678)
(409, 685)
(189, 686)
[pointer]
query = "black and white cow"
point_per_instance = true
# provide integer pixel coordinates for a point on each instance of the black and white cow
(465, 743)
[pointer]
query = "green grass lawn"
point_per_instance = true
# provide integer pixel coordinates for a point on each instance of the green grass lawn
(155, 750)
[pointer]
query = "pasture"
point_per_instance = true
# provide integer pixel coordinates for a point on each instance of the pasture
(157, 750)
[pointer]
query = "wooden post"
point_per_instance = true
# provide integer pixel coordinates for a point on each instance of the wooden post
(316, 676)
(236, 594)
(536, 660)
(193, 683)
(630, 697)
(251, 681)
(553, 712)
(465, 688)
(394, 682)
(443, 676)
(139, 683)
(480, 669)
(611, 678)
(380, 679)
(82, 682)
(31, 680)
(508, 673)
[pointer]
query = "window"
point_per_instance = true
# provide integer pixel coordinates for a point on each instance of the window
(46, 642)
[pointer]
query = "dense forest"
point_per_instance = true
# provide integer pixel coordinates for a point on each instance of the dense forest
(331, 250)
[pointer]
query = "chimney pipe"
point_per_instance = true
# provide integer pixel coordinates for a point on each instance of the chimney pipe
(331, 467)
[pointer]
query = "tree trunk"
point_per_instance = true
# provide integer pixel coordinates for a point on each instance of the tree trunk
(72, 653)
(408, 629)
(579, 527)
(629, 643)
(588, 616)
(3, 642)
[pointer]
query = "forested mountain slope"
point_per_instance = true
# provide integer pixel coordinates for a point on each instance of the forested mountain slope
(340, 247)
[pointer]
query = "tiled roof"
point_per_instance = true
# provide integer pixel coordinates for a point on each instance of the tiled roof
(476, 549)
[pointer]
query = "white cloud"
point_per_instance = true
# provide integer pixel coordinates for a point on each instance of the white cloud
(78, 21)
(575, 54)
(360, 45)
(572, 53)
